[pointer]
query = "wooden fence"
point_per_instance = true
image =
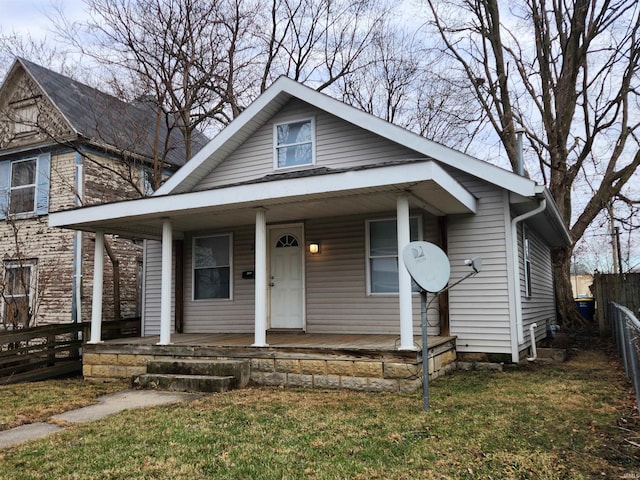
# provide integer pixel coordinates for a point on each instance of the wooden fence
(623, 289)
(50, 351)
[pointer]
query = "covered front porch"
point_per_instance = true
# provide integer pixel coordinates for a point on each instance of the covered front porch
(354, 362)
(245, 216)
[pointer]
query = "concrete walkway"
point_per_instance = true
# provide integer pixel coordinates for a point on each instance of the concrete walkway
(107, 405)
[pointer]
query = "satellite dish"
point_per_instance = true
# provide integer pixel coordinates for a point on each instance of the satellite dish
(427, 264)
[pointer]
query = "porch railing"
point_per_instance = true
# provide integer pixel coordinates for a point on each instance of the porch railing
(626, 332)
(49, 351)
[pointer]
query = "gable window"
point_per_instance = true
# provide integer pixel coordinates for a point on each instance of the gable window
(526, 257)
(26, 118)
(382, 253)
(23, 186)
(294, 143)
(212, 267)
(18, 294)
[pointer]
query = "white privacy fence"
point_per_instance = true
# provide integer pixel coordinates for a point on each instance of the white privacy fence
(626, 332)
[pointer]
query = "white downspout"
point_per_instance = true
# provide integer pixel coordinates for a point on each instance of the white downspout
(534, 350)
(516, 266)
(77, 251)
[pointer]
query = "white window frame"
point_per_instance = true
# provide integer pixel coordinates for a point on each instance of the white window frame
(526, 261)
(276, 147)
(194, 268)
(33, 185)
(368, 252)
(32, 294)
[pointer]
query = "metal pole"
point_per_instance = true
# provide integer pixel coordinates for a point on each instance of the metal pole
(618, 249)
(425, 351)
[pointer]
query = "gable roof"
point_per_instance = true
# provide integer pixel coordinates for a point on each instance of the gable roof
(105, 120)
(282, 91)
(178, 199)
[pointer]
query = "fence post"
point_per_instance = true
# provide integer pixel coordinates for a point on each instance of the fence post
(627, 333)
(51, 347)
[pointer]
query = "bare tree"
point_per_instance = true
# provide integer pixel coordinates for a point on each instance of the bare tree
(203, 62)
(567, 73)
(404, 84)
(167, 52)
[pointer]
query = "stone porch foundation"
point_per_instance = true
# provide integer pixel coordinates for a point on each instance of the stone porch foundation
(382, 371)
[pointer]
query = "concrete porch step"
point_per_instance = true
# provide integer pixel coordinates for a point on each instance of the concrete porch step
(238, 370)
(184, 383)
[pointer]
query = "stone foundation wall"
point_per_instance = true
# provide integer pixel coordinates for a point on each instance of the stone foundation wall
(349, 374)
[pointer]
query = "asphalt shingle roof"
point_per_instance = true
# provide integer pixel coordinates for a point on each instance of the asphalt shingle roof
(104, 119)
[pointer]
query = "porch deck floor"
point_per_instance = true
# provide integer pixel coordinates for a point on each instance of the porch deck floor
(287, 340)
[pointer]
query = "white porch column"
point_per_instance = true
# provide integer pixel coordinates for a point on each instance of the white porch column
(260, 276)
(98, 280)
(404, 279)
(165, 288)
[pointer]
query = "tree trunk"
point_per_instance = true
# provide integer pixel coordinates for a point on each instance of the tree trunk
(568, 315)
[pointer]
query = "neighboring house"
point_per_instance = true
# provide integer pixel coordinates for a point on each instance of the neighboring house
(290, 220)
(581, 285)
(64, 144)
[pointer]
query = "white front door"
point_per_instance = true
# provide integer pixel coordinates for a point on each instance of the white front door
(286, 277)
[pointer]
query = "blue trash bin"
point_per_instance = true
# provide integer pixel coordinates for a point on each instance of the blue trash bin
(586, 307)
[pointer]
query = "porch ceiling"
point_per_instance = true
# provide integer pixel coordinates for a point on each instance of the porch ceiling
(288, 199)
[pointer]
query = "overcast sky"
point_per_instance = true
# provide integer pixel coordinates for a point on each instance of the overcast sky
(30, 16)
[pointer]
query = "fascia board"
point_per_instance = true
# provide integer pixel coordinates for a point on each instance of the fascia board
(165, 206)
(555, 216)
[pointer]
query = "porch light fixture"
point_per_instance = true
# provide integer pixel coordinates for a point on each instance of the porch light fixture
(314, 248)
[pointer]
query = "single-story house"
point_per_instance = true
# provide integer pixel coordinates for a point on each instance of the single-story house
(289, 224)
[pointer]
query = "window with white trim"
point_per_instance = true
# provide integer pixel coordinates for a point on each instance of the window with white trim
(18, 294)
(212, 271)
(526, 257)
(22, 197)
(382, 253)
(294, 143)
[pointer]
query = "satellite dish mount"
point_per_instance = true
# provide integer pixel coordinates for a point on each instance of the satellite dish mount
(429, 267)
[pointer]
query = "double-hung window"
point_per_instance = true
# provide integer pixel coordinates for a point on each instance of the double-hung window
(18, 294)
(23, 186)
(382, 253)
(294, 143)
(212, 267)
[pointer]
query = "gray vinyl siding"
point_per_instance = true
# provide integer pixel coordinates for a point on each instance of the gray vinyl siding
(235, 315)
(152, 283)
(338, 144)
(337, 300)
(335, 290)
(540, 307)
(479, 306)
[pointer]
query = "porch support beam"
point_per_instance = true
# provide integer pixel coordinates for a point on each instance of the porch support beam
(98, 280)
(165, 287)
(260, 275)
(404, 279)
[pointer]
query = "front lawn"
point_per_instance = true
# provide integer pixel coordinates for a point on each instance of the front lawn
(570, 421)
(37, 401)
